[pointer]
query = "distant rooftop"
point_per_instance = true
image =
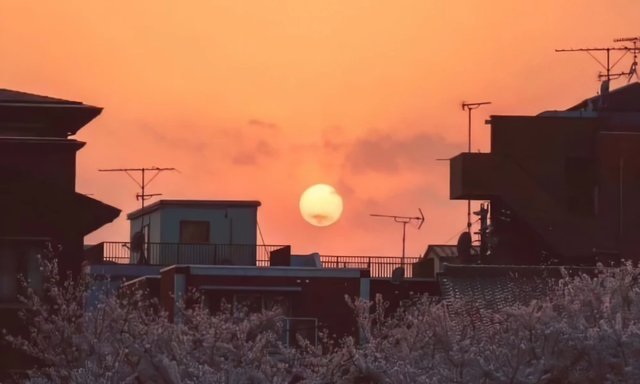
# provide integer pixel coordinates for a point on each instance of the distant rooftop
(621, 99)
(8, 96)
(203, 204)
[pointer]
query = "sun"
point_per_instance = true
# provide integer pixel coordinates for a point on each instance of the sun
(320, 205)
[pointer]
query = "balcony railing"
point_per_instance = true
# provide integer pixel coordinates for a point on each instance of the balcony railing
(379, 266)
(235, 254)
(180, 253)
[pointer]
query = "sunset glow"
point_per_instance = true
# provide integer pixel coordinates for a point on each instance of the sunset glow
(258, 100)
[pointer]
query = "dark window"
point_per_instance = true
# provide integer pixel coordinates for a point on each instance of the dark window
(279, 303)
(194, 232)
(249, 303)
(580, 177)
(18, 259)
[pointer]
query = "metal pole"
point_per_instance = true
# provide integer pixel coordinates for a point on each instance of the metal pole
(142, 197)
(469, 201)
(404, 234)
(469, 130)
(469, 107)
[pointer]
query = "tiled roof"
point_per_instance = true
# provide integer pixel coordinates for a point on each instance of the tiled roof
(487, 288)
(445, 250)
(8, 96)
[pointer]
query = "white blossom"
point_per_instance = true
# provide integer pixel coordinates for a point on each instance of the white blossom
(587, 330)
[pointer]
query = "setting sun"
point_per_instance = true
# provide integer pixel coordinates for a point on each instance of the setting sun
(321, 205)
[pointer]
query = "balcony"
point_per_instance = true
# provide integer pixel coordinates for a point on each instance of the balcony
(179, 253)
(379, 266)
(235, 254)
(472, 176)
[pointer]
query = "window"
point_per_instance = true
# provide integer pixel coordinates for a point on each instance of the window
(256, 303)
(247, 304)
(18, 259)
(194, 232)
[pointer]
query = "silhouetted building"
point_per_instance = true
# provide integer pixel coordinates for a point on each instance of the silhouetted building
(564, 186)
(38, 201)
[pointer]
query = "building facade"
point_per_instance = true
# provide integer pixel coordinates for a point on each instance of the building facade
(40, 206)
(563, 186)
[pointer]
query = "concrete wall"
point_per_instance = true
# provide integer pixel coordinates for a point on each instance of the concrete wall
(153, 220)
(237, 229)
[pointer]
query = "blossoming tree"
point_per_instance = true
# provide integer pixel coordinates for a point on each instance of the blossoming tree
(587, 330)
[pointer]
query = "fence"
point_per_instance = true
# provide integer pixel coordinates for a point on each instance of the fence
(236, 254)
(179, 253)
(379, 266)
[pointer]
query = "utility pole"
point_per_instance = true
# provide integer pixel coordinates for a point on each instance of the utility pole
(144, 183)
(470, 107)
(404, 220)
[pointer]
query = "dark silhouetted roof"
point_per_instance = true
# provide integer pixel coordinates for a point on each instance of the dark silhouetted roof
(59, 209)
(28, 115)
(622, 99)
(202, 204)
(446, 250)
(8, 96)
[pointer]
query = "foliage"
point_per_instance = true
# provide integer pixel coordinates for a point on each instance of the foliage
(586, 331)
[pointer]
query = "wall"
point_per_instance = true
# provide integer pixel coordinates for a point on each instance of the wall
(51, 162)
(320, 297)
(238, 228)
(153, 219)
(541, 145)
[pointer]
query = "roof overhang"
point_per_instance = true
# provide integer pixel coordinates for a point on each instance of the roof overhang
(48, 120)
(200, 204)
(301, 272)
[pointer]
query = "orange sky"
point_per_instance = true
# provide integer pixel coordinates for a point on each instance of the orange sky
(259, 99)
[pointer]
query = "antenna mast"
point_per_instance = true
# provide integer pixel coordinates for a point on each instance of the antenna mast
(608, 67)
(142, 184)
(470, 107)
(404, 220)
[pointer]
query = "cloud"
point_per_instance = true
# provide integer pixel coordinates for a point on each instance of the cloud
(385, 153)
(261, 150)
(263, 124)
(173, 141)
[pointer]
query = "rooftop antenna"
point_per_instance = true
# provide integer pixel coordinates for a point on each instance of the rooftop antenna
(607, 75)
(470, 107)
(142, 184)
(139, 238)
(404, 220)
(634, 65)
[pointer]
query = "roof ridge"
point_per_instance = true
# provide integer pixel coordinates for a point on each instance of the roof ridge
(12, 96)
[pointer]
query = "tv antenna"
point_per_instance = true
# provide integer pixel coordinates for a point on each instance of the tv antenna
(608, 67)
(404, 220)
(142, 184)
(633, 70)
(470, 107)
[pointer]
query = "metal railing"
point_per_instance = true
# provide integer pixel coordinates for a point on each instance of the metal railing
(379, 266)
(180, 253)
(236, 254)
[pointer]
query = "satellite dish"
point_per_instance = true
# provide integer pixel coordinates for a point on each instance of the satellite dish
(397, 275)
(464, 245)
(137, 246)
